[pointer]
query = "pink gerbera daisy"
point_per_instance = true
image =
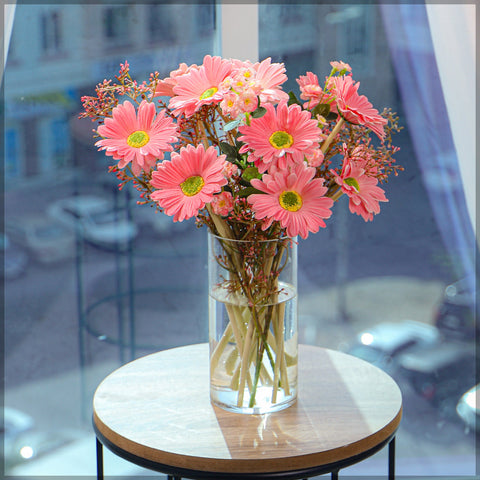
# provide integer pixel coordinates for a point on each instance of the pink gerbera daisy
(140, 139)
(294, 198)
(282, 137)
(311, 91)
(356, 108)
(188, 181)
(269, 76)
(362, 190)
(165, 87)
(202, 86)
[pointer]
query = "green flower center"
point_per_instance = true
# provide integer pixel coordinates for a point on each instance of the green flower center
(291, 201)
(281, 139)
(138, 139)
(192, 185)
(352, 182)
(208, 93)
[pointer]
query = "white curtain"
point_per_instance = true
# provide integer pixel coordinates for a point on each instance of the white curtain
(438, 89)
(8, 15)
(452, 28)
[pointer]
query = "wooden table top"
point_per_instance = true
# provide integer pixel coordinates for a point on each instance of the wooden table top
(158, 408)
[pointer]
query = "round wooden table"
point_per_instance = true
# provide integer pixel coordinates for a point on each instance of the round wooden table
(156, 413)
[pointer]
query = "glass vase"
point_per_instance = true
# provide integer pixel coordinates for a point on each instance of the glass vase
(253, 331)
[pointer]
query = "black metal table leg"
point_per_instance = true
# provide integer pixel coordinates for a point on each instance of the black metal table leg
(391, 459)
(99, 460)
(335, 475)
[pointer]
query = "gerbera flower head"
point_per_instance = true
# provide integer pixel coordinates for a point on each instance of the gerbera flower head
(188, 181)
(363, 192)
(294, 198)
(140, 139)
(202, 86)
(356, 108)
(165, 86)
(281, 137)
(311, 91)
(269, 76)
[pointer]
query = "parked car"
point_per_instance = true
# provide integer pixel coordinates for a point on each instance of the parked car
(46, 239)
(15, 259)
(456, 312)
(95, 218)
(24, 442)
(468, 408)
(440, 373)
(15, 424)
(383, 343)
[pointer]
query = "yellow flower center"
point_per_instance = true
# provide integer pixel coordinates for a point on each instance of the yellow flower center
(281, 139)
(352, 182)
(291, 201)
(192, 185)
(210, 92)
(138, 139)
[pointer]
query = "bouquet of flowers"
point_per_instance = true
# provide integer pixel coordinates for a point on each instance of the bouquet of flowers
(222, 143)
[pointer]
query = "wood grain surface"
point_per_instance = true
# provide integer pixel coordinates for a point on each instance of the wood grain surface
(158, 408)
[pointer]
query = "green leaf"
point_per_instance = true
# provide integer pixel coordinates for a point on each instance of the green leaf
(259, 112)
(228, 149)
(245, 192)
(322, 109)
(292, 99)
(231, 125)
(250, 173)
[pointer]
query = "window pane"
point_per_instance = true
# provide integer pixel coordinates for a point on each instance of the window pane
(364, 283)
(78, 301)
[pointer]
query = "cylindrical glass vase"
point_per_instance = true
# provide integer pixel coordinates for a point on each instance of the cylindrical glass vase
(253, 330)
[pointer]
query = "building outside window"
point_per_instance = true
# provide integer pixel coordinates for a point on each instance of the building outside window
(116, 27)
(51, 31)
(12, 167)
(206, 15)
(160, 25)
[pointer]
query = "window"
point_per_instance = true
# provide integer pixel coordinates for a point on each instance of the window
(160, 25)
(355, 37)
(51, 29)
(367, 282)
(205, 16)
(50, 158)
(116, 28)
(12, 154)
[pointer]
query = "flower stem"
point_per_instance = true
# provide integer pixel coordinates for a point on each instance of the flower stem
(332, 135)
